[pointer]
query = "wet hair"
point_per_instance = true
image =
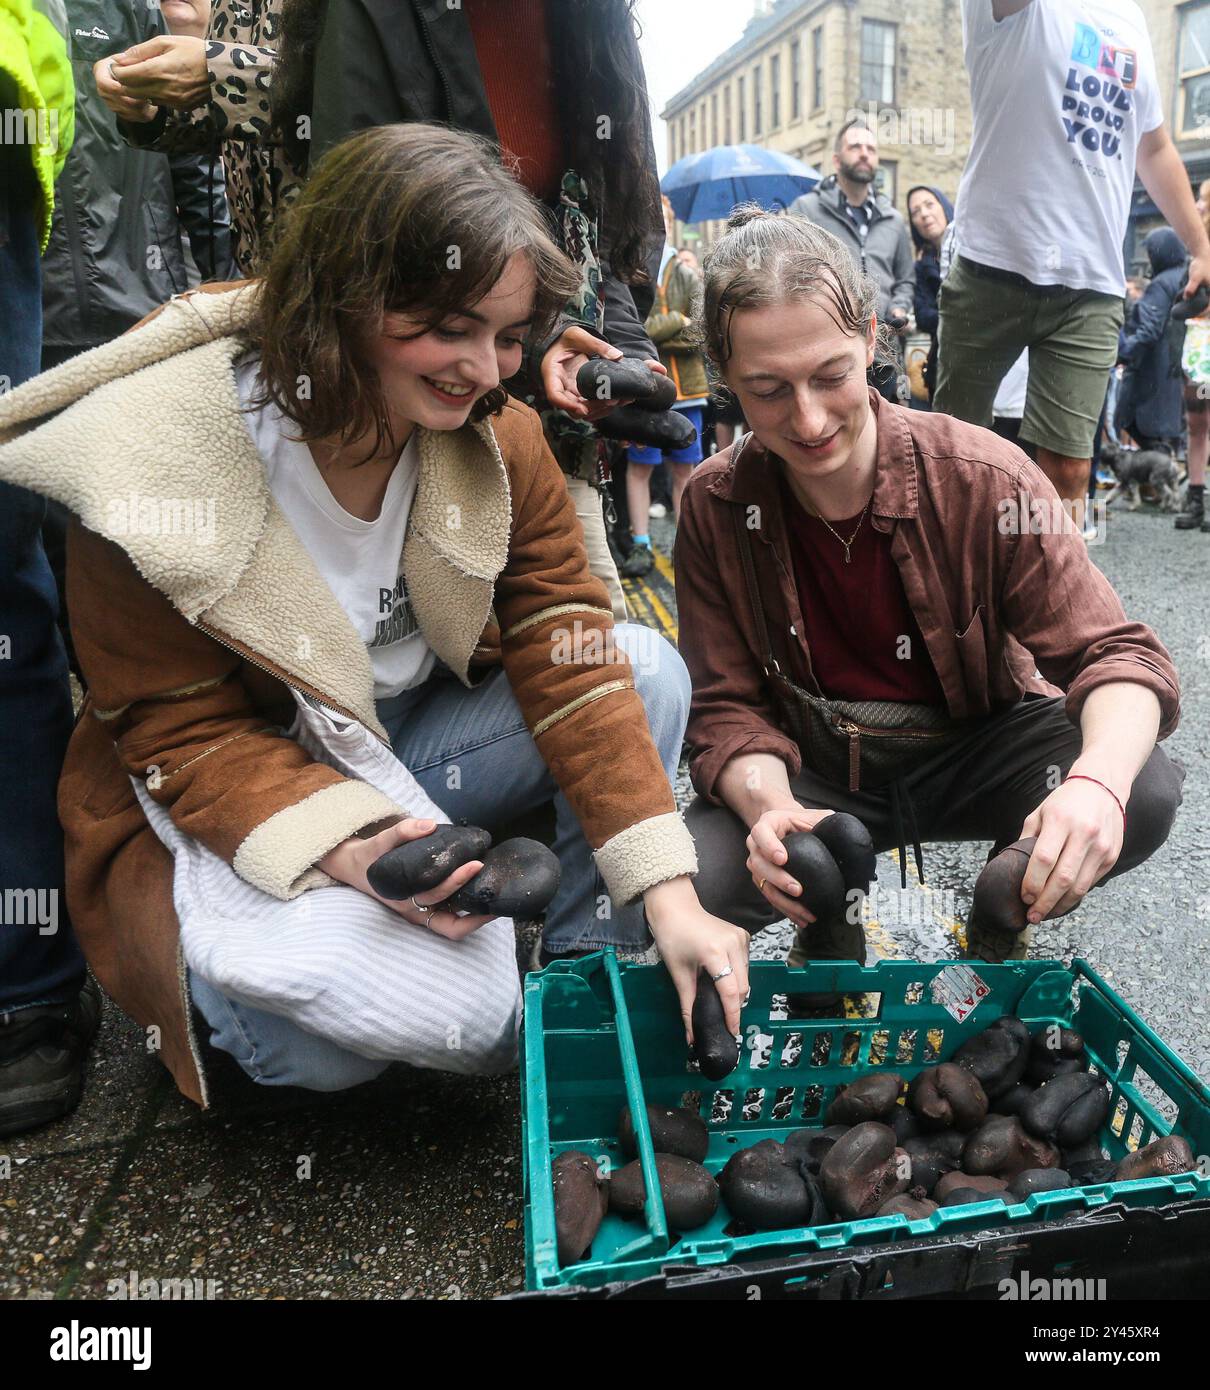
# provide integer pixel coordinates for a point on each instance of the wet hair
(382, 227)
(763, 259)
(598, 72)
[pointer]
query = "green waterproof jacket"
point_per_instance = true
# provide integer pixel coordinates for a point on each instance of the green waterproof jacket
(34, 67)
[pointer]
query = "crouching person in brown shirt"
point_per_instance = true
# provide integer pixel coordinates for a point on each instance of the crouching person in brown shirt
(889, 613)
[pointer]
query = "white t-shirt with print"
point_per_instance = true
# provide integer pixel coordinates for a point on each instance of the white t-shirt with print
(361, 561)
(1061, 91)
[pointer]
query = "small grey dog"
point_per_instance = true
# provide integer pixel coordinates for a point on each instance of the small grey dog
(1133, 467)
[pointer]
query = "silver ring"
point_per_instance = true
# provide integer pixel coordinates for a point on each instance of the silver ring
(419, 907)
(113, 74)
(726, 970)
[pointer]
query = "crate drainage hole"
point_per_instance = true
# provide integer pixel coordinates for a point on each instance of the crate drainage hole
(932, 1044)
(783, 1103)
(850, 1048)
(812, 1100)
(761, 1046)
(720, 1109)
(792, 1050)
(1159, 1100)
(914, 992)
(906, 1049)
(821, 1049)
(879, 1041)
(753, 1100)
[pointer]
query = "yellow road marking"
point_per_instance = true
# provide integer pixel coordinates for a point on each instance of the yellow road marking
(664, 565)
(667, 623)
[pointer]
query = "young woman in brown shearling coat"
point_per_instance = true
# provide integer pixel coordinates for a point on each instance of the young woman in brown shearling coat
(373, 534)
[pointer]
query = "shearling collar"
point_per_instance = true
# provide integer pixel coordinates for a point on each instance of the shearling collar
(145, 443)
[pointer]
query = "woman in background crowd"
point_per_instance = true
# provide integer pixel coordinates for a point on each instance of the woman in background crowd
(930, 212)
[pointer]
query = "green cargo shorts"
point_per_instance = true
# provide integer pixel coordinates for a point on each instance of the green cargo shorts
(1072, 337)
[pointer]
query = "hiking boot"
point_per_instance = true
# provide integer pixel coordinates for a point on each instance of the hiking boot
(1193, 515)
(639, 562)
(813, 945)
(42, 1054)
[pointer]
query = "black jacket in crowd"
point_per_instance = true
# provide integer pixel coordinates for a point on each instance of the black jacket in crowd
(383, 61)
(1150, 344)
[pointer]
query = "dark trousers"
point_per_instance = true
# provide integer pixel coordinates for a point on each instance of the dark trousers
(980, 788)
(39, 959)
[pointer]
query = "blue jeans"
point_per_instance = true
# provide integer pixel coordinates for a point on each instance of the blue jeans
(473, 754)
(274, 1051)
(40, 962)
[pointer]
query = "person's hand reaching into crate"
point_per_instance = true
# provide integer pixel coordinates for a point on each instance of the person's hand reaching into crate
(689, 939)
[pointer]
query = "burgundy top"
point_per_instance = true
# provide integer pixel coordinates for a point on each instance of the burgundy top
(512, 44)
(864, 641)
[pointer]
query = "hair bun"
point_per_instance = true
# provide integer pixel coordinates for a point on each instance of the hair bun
(745, 213)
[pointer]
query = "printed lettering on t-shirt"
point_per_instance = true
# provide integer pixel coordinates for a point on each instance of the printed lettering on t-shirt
(400, 621)
(1096, 99)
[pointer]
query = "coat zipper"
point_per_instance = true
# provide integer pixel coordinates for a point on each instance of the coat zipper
(428, 43)
(285, 680)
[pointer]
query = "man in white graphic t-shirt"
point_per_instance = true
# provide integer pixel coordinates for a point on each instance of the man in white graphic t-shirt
(1066, 108)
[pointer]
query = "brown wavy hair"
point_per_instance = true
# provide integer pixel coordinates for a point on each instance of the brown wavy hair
(410, 219)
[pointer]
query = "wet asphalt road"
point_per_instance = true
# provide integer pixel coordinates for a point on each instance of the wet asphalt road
(411, 1186)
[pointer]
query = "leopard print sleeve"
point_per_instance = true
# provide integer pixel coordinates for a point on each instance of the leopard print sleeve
(235, 124)
(238, 107)
(239, 89)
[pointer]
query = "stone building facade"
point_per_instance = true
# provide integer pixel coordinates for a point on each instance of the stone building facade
(1180, 38)
(805, 67)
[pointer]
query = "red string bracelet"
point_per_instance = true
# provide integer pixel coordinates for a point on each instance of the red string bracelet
(1083, 777)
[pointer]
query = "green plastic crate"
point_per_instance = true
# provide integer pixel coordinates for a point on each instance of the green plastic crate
(601, 1034)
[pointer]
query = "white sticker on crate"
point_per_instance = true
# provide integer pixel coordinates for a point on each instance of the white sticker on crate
(959, 990)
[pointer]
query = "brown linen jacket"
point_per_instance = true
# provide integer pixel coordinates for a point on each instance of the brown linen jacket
(1000, 590)
(190, 638)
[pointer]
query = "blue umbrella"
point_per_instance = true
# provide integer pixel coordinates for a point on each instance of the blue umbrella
(704, 186)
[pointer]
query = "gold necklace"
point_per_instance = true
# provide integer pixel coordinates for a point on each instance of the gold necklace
(848, 559)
